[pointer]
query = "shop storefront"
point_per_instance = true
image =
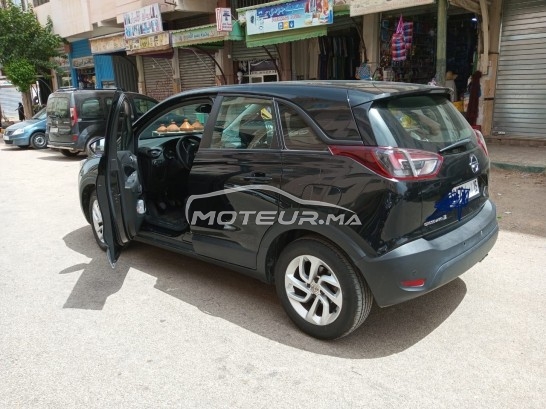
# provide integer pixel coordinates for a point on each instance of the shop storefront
(414, 58)
(333, 56)
(255, 64)
(113, 68)
(198, 52)
(83, 65)
(62, 76)
(157, 54)
(519, 104)
(324, 42)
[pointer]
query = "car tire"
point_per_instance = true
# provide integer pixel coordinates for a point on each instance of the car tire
(69, 153)
(38, 140)
(333, 283)
(95, 218)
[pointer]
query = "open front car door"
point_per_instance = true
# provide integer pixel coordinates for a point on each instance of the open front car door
(118, 182)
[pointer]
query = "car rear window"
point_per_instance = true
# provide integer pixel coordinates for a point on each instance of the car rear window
(422, 122)
(58, 105)
(334, 117)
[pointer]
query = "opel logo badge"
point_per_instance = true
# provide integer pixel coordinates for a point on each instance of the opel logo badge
(474, 164)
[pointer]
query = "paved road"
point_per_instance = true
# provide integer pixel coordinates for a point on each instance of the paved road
(166, 331)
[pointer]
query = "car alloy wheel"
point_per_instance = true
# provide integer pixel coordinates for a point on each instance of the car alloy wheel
(320, 290)
(313, 290)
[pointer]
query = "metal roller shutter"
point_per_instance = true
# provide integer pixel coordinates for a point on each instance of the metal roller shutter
(158, 77)
(197, 70)
(240, 52)
(125, 72)
(520, 97)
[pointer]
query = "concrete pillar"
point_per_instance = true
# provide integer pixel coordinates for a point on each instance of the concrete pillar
(370, 34)
(441, 33)
(140, 73)
(177, 86)
(490, 77)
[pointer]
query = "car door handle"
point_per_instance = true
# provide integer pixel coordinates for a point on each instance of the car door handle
(258, 177)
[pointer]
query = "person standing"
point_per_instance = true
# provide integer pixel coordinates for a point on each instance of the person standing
(21, 110)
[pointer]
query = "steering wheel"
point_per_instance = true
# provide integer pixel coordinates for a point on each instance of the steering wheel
(186, 147)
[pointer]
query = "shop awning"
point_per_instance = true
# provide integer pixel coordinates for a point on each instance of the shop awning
(285, 21)
(259, 40)
(205, 35)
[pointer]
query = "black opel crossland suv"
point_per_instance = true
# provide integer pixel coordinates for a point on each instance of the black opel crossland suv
(338, 193)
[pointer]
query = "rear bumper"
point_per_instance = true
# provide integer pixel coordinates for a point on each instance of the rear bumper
(437, 261)
(63, 145)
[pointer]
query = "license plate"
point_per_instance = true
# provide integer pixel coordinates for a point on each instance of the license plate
(472, 186)
(54, 129)
(6, 137)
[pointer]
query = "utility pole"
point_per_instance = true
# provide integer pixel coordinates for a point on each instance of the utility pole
(441, 33)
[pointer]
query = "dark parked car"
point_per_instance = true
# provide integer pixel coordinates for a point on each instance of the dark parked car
(28, 133)
(339, 193)
(75, 117)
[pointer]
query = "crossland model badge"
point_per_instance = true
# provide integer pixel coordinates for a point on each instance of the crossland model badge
(474, 164)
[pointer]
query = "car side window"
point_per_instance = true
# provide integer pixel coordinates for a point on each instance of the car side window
(244, 123)
(186, 117)
(143, 105)
(91, 109)
(297, 133)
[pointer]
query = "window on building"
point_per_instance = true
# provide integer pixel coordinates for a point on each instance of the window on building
(37, 3)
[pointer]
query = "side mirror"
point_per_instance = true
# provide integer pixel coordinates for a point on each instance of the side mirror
(95, 147)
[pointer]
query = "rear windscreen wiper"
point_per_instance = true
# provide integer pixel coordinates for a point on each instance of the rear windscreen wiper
(455, 145)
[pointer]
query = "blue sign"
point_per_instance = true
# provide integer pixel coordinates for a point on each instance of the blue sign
(288, 16)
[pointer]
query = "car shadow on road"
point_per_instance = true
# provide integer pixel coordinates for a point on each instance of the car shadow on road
(251, 304)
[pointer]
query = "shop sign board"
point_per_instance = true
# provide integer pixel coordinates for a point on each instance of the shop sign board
(62, 61)
(360, 7)
(107, 44)
(149, 42)
(289, 15)
(142, 22)
(197, 35)
(83, 62)
(223, 19)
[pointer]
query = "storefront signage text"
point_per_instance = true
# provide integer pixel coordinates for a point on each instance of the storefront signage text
(142, 43)
(62, 61)
(144, 21)
(360, 7)
(196, 35)
(288, 16)
(223, 19)
(83, 62)
(107, 44)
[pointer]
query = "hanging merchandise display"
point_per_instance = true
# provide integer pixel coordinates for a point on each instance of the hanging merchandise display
(417, 32)
(398, 46)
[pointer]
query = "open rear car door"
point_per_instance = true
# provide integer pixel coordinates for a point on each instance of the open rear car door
(119, 186)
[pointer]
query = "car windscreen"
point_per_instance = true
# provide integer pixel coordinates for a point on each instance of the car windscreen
(41, 114)
(428, 122)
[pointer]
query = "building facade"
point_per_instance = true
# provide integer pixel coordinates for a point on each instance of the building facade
(117, 44)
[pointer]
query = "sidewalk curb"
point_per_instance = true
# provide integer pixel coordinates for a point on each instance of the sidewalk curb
(520, 168)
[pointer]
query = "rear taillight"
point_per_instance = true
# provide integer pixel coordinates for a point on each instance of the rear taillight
(73, 116)
(393, 163)
(481, 141)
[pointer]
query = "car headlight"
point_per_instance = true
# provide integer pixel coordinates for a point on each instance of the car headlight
(19, 131)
